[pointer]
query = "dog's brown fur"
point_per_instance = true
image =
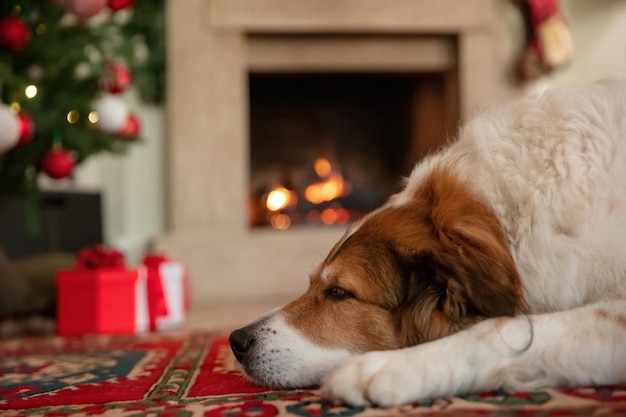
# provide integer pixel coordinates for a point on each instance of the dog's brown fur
(413, 273)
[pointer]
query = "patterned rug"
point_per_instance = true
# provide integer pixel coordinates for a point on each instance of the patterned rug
(193, 374)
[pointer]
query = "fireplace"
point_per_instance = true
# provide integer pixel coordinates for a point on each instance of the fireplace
(290, 118)
(327, 148)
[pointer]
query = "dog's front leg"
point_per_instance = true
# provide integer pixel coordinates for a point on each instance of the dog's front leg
(455, 364)
(576, 347)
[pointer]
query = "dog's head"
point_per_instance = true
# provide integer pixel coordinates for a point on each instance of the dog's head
(431, 262)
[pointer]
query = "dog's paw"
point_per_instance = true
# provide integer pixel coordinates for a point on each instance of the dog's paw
(376, 378)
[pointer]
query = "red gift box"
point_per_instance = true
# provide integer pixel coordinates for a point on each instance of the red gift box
(101, 296)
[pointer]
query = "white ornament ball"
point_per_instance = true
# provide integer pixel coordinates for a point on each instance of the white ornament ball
(112, 113)
(9, 128)
(85, 9)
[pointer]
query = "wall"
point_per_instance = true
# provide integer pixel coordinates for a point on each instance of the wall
(599, 32)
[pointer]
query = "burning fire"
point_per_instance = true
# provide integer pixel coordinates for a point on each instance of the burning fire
(331, 187)
(278, 199)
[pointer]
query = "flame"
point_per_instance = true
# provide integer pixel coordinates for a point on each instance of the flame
(322, 167)
(278, 199)
(327, 190)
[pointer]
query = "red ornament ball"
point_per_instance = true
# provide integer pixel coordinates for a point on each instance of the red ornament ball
(131, 127)
(116, 5)
(85, 9)
(27, 128)
(117, 78)
(14, 33)
(57, 163)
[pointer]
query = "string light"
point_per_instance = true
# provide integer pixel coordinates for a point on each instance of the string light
(72, 117)
(40, 29)
(15, 107)
(93, 116)
(31, 91)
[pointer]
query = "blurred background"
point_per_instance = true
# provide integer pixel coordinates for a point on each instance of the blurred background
(242, 136)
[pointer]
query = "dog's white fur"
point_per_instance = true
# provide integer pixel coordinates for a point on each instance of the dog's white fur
(553, 170)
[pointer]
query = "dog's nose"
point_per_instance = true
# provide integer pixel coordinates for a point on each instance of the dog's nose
(240, 342)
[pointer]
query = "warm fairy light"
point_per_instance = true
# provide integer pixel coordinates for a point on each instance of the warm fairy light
(322, 167)
(278, 199)
(31, 91)
(72, 117)
(93, 116)
(280, 221)
(40, 29)
(15, 107)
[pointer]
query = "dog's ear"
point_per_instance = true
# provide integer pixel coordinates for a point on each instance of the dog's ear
(449, 289)
(463, 274)
(477, 269)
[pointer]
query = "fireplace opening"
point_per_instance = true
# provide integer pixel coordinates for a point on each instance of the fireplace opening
(327, 148)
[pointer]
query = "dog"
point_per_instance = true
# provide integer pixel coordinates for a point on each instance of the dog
(500, 265)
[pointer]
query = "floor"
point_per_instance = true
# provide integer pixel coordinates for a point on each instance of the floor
(228, 317)
(215, 317)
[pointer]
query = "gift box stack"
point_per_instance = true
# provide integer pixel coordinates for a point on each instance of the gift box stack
(104, 296)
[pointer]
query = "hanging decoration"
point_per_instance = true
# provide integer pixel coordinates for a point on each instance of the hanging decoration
(85, 9)
(131, 127)
(117, 78)
(112, 113)
(57, 163)
(116, 5)
(549, 42)
(26, 128)
(14, 33)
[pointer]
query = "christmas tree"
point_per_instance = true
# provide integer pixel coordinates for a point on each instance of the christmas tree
(63, 65)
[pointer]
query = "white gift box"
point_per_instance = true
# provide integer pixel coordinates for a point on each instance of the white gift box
(167, 293)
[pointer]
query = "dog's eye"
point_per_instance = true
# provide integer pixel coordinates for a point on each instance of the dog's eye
(338, 293)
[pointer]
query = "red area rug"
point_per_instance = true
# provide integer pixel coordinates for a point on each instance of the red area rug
(193, 374)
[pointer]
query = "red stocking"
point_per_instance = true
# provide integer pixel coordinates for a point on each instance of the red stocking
(549, 43)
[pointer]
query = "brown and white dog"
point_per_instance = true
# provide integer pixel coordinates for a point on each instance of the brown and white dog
(502, 264)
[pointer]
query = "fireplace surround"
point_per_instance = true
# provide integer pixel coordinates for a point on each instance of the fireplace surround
(214, 46)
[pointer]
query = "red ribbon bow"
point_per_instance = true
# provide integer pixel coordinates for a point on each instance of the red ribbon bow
(99, 256)
(157, 304)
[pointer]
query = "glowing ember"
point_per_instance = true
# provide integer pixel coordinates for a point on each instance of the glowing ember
(343, 216)
(322, 167)
(329, 216)
(280, 221)
(280, 208)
